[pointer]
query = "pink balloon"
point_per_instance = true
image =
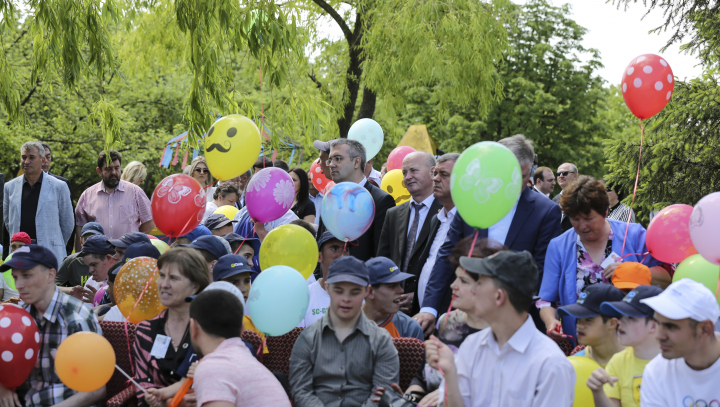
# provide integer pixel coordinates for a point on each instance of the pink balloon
(668, 235)
(704, 227)
(396, 157)
(269, 195)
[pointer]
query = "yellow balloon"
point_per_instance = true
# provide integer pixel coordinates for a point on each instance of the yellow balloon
(392, 183)
(227, 210)
(160, 245)
(130, 282)
(85, 361)
(292, 246)
(232, 146)
(583, 369)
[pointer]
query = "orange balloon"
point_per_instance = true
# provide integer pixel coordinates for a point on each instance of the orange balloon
(130, 282)
(85, 361)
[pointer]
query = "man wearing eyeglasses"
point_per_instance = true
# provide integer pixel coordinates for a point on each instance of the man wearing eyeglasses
(346, 162)
(119, 206)
(566, 175)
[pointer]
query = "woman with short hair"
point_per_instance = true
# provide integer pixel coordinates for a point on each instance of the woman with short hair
(181, 272)
(135, 172)
(588, 253)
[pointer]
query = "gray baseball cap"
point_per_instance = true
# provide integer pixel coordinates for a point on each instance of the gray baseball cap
(322, 145)
(348, 269)
(516, 269)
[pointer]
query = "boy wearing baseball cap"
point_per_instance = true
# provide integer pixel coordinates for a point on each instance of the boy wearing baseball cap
(619, 383)
(97, 253)
(211, 248)
(596, 330)
(382, 304)
(57, 316)
(687, 370)
(73, 272)
(511, 363)
(344, 358)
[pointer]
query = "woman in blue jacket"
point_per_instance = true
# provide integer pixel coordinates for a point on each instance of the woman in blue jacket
(588, 253)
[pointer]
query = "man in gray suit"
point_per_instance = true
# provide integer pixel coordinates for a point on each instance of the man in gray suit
(37, 204)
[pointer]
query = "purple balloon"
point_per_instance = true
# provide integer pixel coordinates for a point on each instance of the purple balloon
(269, 195)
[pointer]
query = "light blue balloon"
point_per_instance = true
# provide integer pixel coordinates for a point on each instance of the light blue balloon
(347, 211)
(369, 133)
(278, 300)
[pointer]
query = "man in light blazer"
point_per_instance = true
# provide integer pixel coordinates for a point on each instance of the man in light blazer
(38, 204)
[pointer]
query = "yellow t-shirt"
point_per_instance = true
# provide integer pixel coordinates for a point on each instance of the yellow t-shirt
(628, 369)
(248, 324)
(586, 353)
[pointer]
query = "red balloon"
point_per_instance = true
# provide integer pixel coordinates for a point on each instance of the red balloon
(395, 159)
(19, 345)
(668, 235)
(328, 187)
(647, 85)
(178, 205)
(318, 178)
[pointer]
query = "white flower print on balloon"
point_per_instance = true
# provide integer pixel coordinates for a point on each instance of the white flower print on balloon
(174, 193)
(165, 186)
(200, 200)
(284, 193)
(258, 181)
(481, 181)
(514, 186)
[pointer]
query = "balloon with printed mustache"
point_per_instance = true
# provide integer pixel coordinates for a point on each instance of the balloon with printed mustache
(392, 183)
(232, 146)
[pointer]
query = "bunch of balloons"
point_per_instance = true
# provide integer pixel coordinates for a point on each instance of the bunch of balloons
(130, 282)
(292, 246)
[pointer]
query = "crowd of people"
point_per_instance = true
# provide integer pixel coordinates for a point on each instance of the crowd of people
(499, 309)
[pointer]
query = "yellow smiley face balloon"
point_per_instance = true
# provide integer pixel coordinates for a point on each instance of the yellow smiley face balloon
(232, 146)
(392, 183)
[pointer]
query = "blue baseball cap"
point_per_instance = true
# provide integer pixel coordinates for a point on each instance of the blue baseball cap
(631, 305)
(97, 244)
(92, 227)
(230, 265)
(200, 230)
(30, 256)
(234, 237)
(348, 269)
(209, 243)
(589, 300)
(217, 220)
(327, 236)
(142, 249)
(129, 238)
(382, 270)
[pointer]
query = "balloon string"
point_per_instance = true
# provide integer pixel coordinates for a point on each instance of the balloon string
(246, 238)
(262, 111)
(142, 292)
(637, 177)
(264, 341)
(472, 246)
(717, 289)
(131, 379)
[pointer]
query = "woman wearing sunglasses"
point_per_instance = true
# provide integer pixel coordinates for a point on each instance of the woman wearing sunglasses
(198, 169)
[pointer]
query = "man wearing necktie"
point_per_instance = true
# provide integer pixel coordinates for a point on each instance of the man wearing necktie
(407, 226)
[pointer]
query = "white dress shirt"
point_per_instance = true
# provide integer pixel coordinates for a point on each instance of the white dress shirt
(529, 371)
(423, 214)
(363, 182)
(375, 176)
(445, 219)
(500, 230)
(317, 201)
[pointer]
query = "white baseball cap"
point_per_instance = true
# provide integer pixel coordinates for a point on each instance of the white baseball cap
(686, 298)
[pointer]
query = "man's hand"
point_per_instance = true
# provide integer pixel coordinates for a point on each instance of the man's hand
(439, 355)
(610, 270)
(259, 229)
(598, 378)
(406, 302)
(190, 399)
(378, 393)
(8, 398)
(430, 400)
(426, 321)
(89, 294)
(77, 292)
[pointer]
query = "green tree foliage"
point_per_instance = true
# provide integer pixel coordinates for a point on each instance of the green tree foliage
(552, 94)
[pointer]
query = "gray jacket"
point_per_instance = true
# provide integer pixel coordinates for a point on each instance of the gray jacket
(54, 220)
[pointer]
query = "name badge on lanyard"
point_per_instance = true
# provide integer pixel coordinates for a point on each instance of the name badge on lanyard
(160, 346)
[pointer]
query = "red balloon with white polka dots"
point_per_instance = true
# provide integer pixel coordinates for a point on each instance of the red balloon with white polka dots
(647, 85)
(19, 345)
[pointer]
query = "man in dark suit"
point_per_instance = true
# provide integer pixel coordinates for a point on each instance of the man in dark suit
(346, 163)
(530, 226)
(407, 226)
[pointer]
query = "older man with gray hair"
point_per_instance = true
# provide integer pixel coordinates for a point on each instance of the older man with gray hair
(38, 204)
(346, 162)
(530, 225)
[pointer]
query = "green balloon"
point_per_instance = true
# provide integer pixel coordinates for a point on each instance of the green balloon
(8, 275)
(698, 269)
(485, 183)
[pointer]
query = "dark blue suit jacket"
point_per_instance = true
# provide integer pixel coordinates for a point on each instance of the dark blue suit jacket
(536, 222)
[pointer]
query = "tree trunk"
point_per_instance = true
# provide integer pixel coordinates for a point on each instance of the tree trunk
(367, 107)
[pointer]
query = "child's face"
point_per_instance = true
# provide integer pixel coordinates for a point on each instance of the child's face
(247, 251)
(241, 281)
(591, 331)
(633, 331)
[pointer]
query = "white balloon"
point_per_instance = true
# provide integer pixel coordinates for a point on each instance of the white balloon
(369, 133)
